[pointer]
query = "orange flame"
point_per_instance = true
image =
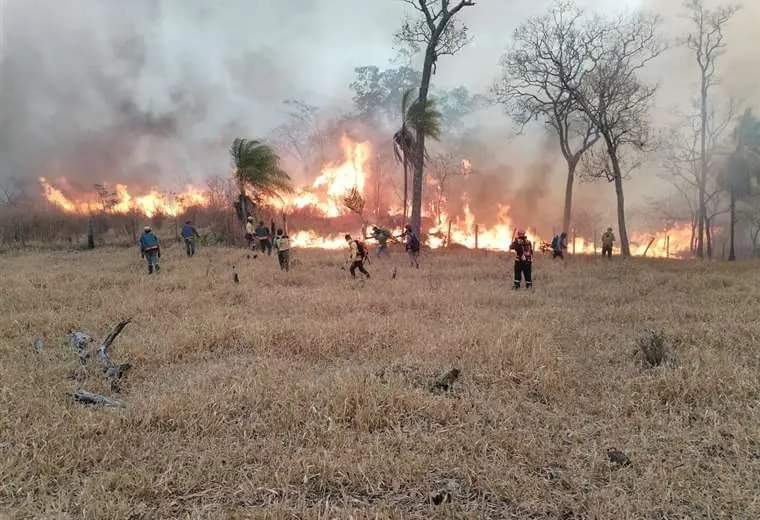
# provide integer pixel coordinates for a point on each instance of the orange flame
(148, 204)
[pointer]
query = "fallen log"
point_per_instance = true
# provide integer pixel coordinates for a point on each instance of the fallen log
(80, 342)
(85, 397)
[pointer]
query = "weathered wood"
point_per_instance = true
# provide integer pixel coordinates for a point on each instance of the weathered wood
(80, 342)
(648, 246)
(85, 397)
(103, 357)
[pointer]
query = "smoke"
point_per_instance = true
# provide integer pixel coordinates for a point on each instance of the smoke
(153, 91)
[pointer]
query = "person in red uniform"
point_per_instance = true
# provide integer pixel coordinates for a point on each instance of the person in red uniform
(523, 260)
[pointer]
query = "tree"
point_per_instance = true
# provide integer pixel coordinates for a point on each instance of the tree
(743, 165)
(257, 167)
(417, 119)
(436, 29)
(299, 136)
(379, 93)
(546, 49)
(683, 160)
(443, 168)
(613, 98)
(707, 42)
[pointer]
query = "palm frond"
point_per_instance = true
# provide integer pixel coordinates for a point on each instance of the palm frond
(257, 165)
(424, 117)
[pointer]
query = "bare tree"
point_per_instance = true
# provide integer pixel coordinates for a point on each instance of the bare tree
(435, 29)
(613, 98)
(443, 167)
(683, 163)
(11, 192)
(707, 41)
(300, 136)
(545, 49)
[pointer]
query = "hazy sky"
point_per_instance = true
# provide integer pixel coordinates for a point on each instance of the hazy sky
(147, 87)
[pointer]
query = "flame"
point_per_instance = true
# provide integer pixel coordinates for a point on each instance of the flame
(327, 191)
(148, 204)
(310, 239)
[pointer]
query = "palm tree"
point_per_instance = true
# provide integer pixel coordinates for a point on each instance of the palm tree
(257, 167)
(415, 117)
(403, 147)
(743, 165)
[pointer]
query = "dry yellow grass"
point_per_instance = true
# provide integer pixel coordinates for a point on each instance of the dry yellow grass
(307, 395)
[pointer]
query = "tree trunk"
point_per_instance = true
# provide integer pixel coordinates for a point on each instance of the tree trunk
(419, 152)
(625, 248)
(568, 196)
(703, 169)
(708, 238)
(732, 217)
(406, 189)
(90, 234)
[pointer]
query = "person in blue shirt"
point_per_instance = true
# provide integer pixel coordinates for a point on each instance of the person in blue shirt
(189, 233)
(150, 249)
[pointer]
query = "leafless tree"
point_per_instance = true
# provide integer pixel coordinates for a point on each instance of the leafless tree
(435, 29)
(443, 167)
(613, 98)
(685, 156)
(707, 41)
(11, 192)
(545, 49)
(300, 136)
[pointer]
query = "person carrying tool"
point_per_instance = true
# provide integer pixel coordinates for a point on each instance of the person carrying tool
(608, 240)
(282, 245)
(412, 245)
(189, 234)
(356, 256)
(150, 249)
(382, 236)
(523, 260)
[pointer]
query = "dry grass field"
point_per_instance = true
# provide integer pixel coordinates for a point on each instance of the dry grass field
(308, 395)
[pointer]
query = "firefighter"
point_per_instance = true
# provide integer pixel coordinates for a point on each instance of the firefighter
(382, 236)
(265, 238)
(250, 233)
(412, 246)
(559, 246)
(189, 234)
(608, 239)
(282, 245)
(356, 256)
(150, 249)
(523, 260)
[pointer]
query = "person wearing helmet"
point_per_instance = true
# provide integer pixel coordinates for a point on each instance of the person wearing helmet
(250, 233)
(523, 259)
(608, 239)
(150, 249)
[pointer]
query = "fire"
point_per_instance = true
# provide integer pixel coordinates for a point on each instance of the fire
(122, 201)
(310, 239)
(327, 191)
(497, 236)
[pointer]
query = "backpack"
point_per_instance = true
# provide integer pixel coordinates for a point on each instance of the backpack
(555, 243)
(361, 248)
(414, 243)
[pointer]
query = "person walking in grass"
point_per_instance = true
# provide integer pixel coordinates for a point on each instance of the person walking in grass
(250, 233)
(559, 246)
(382, 236)
(150, 249)
(523, 260)
(282, 246)
(608, 240)
(412, 246)
(189, 234)
(356, 256)
(264, 236)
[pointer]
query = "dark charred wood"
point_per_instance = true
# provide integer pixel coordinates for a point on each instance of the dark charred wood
(89, 398)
